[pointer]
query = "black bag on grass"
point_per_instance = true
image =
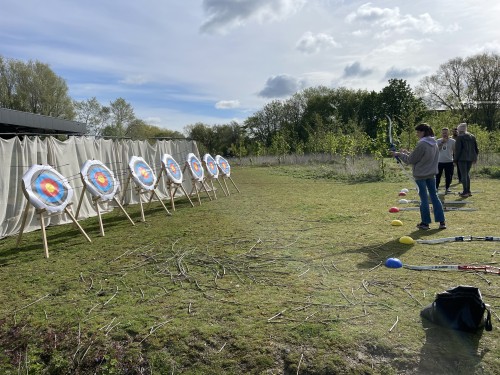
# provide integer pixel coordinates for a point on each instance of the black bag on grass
(460, 308)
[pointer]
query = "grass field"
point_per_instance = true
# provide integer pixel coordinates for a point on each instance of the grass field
(287, 277)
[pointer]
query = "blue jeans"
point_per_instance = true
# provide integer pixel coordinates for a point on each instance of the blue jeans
(426, 189)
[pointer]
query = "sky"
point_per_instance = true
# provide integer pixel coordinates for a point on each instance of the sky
(180, 62)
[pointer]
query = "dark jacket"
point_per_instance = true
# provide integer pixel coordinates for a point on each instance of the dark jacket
(466, 148)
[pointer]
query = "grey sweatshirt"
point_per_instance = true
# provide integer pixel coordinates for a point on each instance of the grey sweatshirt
(424, 158)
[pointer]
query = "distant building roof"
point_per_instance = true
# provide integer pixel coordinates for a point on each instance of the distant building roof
(16, 122)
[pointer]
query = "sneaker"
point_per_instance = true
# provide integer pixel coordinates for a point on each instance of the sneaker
(442, 225)
(465, 195)
(448, 191)
(423, 226)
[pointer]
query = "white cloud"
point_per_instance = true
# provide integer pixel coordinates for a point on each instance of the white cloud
(310, 43)
(134, 80)
(389, 21)
(226, 104)
(226, 14)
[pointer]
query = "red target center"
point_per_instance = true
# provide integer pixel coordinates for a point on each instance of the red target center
(195, 166)
(144, 172)
(101, 179)
(172, 168)
(49, 188)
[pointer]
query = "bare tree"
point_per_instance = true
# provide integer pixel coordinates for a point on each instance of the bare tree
(469, 87)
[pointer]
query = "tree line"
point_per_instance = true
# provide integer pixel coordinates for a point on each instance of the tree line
(317, 119)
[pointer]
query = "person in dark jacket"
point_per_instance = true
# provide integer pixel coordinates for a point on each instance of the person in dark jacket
(424, 160)
(466, 152)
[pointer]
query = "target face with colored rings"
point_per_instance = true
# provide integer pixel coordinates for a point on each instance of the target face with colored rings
(223, 165)
(195, 166)
(99, 179)
(142, 173)
(46, 188)
(174, 172)
(211, 165)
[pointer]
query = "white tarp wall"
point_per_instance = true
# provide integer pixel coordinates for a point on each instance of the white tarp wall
(67, 157)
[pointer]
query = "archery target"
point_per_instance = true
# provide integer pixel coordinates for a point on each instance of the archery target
(174, 172)
(211, 165)
(99, 179)
(223, 165)
(141, 172)
(46, 188)
(195, 166)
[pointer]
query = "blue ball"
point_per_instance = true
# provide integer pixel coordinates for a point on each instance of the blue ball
(393, 263)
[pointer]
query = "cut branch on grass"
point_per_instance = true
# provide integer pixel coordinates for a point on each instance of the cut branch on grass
(303, 273)
(113, 296)
(300, 362)
(223, 346)
(32, 303)
(395, 323)
(153, 329)
(276, 315)
(345, 297)
(412, 297)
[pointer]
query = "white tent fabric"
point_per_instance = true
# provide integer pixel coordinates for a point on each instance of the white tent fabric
(67, 157)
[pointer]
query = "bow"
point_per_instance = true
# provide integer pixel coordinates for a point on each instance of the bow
(398, 159)
(392, 147)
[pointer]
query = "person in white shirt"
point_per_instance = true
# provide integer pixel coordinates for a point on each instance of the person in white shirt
(446, 147)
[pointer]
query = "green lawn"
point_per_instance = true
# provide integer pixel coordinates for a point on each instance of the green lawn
(287, 277)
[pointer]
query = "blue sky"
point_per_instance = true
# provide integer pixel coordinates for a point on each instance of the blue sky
(178, 62)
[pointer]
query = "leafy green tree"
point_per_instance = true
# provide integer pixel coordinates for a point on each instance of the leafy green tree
(203, 135)
(398, 101)
(33, 87)
(265, 123)
(92, 113)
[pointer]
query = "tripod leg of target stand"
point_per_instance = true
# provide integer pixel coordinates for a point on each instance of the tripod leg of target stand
(80, 202)
(204, 185)
(101, 226)
(172, 194)
(44, 235)
(234, 184)
(68, 212)
(126, 188)
(225, 184)
(25, 216)
(195, 187)
(163, 204)
(143, 219)
(222, 187)
(123, 210)
(213, 187)
(187, 195)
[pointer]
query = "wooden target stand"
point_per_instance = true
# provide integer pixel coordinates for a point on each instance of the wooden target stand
(212, 173)
(174, 180)
(225, 171)
(43, 210)
(142, 185)
(195, 169)
(100, 194)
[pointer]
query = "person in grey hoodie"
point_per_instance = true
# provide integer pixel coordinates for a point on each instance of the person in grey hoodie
(466, 152)
(424, 160)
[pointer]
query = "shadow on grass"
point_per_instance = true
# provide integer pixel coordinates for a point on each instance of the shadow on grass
(448, 351)
(378, 254)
